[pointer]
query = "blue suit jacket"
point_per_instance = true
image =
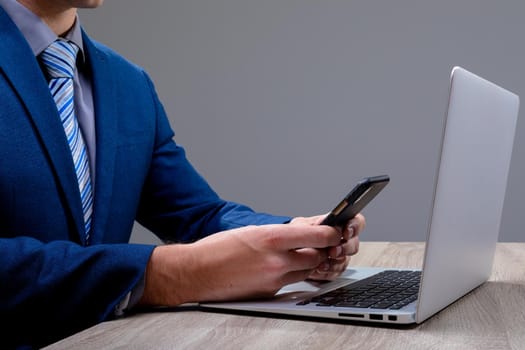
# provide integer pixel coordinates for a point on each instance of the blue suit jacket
(51, 286)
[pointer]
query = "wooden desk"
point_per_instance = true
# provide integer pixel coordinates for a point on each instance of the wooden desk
(491, 317)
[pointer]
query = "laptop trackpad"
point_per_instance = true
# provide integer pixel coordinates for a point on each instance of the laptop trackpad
(306, 288)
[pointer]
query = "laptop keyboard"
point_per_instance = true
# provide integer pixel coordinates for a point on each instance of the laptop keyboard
(390, 289)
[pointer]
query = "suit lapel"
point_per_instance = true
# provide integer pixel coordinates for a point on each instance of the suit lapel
(21, 68)
(106, 130)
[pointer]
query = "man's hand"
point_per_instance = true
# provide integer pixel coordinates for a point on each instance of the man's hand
(253, 261)
(338, 255)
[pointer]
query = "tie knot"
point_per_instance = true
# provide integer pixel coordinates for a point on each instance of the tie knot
(59, 58)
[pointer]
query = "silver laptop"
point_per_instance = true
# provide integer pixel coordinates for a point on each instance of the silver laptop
(463, 228)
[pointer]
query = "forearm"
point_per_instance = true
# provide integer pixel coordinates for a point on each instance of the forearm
(209, 270)
(178, 274)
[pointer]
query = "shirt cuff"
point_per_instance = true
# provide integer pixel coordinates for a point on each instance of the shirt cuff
(131, 299)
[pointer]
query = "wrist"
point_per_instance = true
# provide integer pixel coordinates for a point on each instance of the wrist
(168, 280)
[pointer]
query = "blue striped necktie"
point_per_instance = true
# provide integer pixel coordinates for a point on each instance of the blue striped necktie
(59, 58)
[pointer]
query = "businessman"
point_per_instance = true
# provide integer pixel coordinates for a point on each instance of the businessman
(85, 150)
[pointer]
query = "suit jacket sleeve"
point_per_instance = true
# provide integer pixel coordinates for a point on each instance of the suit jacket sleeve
(51, 290)
(177, 203)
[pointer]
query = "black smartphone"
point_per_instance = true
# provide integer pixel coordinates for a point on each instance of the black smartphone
(356, 200)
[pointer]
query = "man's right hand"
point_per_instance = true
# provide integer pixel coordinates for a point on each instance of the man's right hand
(252, 261)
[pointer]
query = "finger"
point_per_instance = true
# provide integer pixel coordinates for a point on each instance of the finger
(350, 247)
(346, 247)
(337, 251)
(288, 237)
(320, 218)
(328, 265)
(323, 276)
(311, 220)
(306, 258)
(330, 269)
(300, 264)
(358, 223)
(354, 227)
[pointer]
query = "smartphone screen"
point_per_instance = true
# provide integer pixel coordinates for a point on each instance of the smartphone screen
(356, 200)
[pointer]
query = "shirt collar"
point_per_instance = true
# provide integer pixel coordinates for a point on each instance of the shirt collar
(37, 33)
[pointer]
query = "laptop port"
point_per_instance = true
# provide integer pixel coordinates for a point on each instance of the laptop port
(376, 317)
(351, 315)
(392, 317)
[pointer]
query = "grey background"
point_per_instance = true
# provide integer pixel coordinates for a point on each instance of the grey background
(284, 104)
